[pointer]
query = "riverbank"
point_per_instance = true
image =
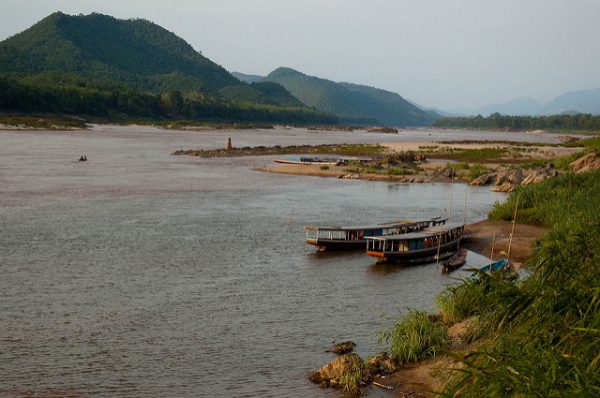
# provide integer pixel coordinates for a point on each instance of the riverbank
(422, 378)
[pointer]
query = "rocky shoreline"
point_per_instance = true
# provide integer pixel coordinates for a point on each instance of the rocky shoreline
(423, 378)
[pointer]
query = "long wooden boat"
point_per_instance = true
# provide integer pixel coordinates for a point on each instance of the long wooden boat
(427, 245)
(501, 265)
(327, 238)
(306, 160)
(327, 160)
(456, 261)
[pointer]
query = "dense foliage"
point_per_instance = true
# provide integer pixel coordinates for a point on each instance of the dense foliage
(109, 100)
(415, 337)
(541, 334)
(579, 122)
(136, 53)
(355, 103)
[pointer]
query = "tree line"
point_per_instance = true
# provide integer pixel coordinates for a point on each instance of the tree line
(497, 121)
(108, 101)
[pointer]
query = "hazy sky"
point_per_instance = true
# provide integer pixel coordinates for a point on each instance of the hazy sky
(444, 53)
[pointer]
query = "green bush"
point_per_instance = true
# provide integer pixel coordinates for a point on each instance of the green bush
(415, 337)
(542, 333)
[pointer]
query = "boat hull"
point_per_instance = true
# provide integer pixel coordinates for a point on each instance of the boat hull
(337, 244)
(424, 256)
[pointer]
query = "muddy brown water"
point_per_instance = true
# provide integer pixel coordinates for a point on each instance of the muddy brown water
(138, 273)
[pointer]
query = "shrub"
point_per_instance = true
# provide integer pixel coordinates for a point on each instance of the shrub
(415, 337)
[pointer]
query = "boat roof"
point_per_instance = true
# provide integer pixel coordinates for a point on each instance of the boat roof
(392, 224)
(425, 233)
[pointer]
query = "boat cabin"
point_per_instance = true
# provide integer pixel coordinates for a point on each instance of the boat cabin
(417, 247)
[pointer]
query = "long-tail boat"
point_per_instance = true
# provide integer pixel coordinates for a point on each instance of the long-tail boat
(456, 261)
(327, 238)
(427, 245)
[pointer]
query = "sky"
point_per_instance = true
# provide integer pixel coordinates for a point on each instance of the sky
(449, 54)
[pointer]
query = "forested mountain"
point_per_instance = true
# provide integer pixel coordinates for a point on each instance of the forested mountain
(101, 66)
(136, 52)
(351, 102)
(247, 78)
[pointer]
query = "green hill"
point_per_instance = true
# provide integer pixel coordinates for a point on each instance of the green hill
(351, 101)
(135, 52)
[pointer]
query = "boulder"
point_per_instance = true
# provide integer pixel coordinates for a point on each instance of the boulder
(342, 348)
(539, 175)
(448, 172)
(586, 163)
(508, 181)
(484, 179)
(332, 373)
(381, 364)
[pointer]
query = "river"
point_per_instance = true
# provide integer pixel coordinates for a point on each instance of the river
(139, 273)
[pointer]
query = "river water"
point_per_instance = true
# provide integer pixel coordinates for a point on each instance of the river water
(139, 273)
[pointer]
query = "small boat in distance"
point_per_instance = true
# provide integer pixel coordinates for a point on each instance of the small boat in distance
(308, 160)
(501, 265)
(329, 160)
(327, 238)
(424, 246)
(456, 261)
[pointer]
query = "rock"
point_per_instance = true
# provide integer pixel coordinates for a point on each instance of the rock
(381, 364)
(564, 139)
(342, 348)
(332, 373)
(539, 175)
(448, 172)
(508, 181)
(484, 179)
(586, 163)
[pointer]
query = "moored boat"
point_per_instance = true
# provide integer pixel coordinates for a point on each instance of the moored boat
(427, 245)
(355, 237)
(306, 160)
(501, 265)
(456, 261)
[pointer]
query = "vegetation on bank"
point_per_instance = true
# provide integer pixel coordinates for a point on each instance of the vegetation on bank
(46, 123)
(562, 123)
(415, 337)
(110, 101)
(536, 336)
(326, 149)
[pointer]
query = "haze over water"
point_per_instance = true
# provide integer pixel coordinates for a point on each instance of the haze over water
(139, 273)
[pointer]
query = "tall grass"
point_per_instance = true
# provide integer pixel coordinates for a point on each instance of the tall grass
(543, 333)
(415, 337)
(354, 374)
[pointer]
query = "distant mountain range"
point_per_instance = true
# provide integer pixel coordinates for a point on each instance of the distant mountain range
(353, 103)
(582, 101)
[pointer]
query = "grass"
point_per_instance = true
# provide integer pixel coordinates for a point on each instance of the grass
(469, 155)
(354, 374)
(324, 167)
(590, 143)
(474, 170)
(541, 334)
(415, 337)
(564, 163)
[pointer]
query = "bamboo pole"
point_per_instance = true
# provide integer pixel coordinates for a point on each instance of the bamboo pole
(512, 231)
(493, 244)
